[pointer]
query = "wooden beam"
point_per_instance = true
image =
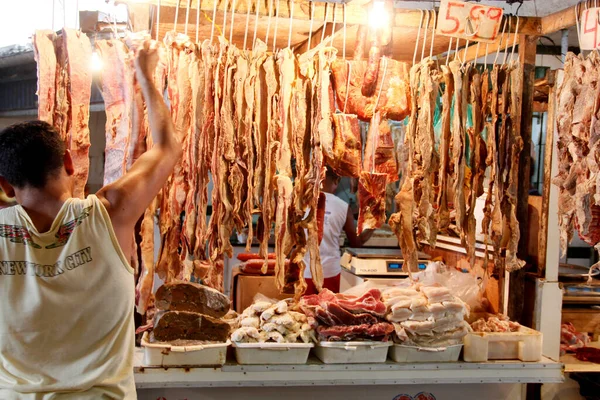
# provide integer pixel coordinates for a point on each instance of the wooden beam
(356, 12)
(472, 53)
(563, 19)
(317, 36)
(527, 53)
(543, 235)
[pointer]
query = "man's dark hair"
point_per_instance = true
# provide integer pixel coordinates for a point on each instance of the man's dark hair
(332, 176)
(30, 153)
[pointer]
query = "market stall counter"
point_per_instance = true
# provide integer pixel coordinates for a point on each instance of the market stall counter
(495, 380)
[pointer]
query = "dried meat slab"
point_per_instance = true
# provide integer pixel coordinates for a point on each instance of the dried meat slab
(347, 145)
(188, 296)
(184, 325)
(394, 101)
(380, 154)
(371, 200)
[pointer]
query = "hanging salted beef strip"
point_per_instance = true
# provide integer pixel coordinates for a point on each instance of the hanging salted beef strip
(401, 221)
(515, 148)
(379, 154)
(458, 145)
(43, 50)
(270, 150)
(117, 92)
(443, 212)
(371, 200)
(347, 145)
(426, 158)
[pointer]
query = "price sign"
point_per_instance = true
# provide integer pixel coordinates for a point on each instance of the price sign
(469, 21)
(589, 37)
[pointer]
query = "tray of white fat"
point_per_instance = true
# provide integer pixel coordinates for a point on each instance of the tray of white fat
(272, 353)
(352, 352)
(524, 345)
(413, 354)
(166, 354)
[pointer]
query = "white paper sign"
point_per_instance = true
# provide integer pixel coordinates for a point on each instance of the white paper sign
(469, 21)
(588, 29)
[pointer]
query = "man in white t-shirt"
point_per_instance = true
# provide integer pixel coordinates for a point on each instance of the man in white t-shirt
(338, 217)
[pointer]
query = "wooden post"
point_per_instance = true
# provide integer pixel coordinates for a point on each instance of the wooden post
(543, 236)
(527, 53)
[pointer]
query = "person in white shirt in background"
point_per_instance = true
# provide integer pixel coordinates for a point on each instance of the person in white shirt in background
(338, 218)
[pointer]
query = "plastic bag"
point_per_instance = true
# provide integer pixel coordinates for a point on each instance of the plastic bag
(463, 285)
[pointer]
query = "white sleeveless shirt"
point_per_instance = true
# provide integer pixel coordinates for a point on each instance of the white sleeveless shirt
(66, 307)
(336, 211)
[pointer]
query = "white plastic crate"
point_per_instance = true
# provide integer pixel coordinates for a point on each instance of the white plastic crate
(352, 352)
(161, 354)
(524, 345)
(412, 354)
(272, 353)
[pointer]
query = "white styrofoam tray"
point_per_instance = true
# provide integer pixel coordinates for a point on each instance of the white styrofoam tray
(412, 354)
(161, 354)
(272, 353)
(524, 345)
(352, 352)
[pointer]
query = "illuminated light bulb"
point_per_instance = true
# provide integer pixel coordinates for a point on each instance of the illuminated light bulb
(379, 15)
(96, 62)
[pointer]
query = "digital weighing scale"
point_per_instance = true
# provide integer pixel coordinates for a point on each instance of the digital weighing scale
(378, 262)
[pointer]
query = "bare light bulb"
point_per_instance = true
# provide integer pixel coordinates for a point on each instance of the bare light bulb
(96, 62)
(378, 16)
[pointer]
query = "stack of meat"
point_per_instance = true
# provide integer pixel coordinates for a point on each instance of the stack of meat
(267, 322)
(64, 90)
(426, 316)
(451, 175)
(578, 178)
(499, 323)
(342, 317)
(190, 312)
(254, 263)
(570, 339)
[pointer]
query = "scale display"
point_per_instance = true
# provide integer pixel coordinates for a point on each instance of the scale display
(396, 266)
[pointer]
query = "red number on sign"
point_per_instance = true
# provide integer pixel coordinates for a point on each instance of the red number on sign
(451, 18)
(593, 29)
(494, 14)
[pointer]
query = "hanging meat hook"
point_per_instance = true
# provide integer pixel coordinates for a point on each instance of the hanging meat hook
(276, 26)
(255, 24)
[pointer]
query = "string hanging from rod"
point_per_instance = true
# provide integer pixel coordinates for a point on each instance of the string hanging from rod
(197, 20)
(77, 14)
(214, 18)
(448, 52)
(333, 23)
(276, 26)
(516, 35)
(53, 11)
(425, 37)
(500, 43)
(249, 6)
(224, 18)
(464, 60)
(255, 24)
(509, 23)
(435, 18)
(349, 64)
(65, 13)
(457, 47)
(324, 22)
(176, 15)
(232, 21)
(158, 21)
(312, 18)
(187, 17)
(486, 55)
(269, 22)
(291, 23)
(344, 40)
(418, 37)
